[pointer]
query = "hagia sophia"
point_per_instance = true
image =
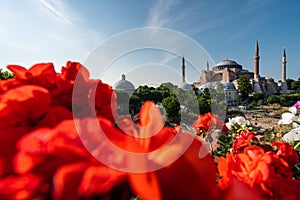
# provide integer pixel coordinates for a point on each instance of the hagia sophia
(227, 72)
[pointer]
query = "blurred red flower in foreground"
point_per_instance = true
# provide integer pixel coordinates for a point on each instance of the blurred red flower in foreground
(54, 144)
(44, 152)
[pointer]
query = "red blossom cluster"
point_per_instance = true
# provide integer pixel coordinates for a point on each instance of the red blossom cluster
(208, 122)
(265, 173)
(242, 140)
(43, 154)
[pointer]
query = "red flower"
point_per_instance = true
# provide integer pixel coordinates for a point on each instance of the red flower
(23, 105)
(45, 153)
(27, 186)
(57, 155)
(72, 70)
(21, 109)
(243, 139)
(104, 101)
(286, 152)
(203, 123)
(263, 172)
(208, 122)
(31, 103)
(41, 74)
(197, 174)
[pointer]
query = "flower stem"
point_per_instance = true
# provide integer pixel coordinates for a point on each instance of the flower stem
(297, 145)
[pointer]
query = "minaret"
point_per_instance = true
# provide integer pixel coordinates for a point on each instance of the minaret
(256, 62)
(284, 66)
(207, 66)
(183, 70)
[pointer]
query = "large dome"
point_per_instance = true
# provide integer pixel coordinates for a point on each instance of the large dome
(123, 84)
(227, 64)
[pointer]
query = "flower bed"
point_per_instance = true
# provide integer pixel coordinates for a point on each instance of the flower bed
(51, 148)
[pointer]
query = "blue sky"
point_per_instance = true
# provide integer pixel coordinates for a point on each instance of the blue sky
(34, 31)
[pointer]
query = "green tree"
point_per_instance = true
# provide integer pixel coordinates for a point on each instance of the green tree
(218, 101)
(204, 105)
(172, 108)
(289, 83)
(164, 90)
(4, 75)
(288, 99)
(296, 86)
(205, 93)
(144, 92)
(273, 99)
(155, 96)
(244, 87)
(135, 103)
(258, 96)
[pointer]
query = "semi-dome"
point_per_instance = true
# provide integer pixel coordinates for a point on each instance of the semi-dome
(123, 84)
(227, 64)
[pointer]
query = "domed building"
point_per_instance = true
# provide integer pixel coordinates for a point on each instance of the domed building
(124, 85)
(226, 71)
(229, 71)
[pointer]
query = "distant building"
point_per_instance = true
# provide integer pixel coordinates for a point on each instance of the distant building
(230, 71)
(124, 85)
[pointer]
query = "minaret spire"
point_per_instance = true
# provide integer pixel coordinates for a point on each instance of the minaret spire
(256, 61)
(207, 66)
(183, 70)
(256, 46)
(284, 66)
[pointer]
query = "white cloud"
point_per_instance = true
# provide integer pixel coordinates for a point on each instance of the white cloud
(58, 9)
(52, 31)
(159, 16)
(200, 16)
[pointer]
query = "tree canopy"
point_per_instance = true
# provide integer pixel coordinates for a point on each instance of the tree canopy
(244, 87)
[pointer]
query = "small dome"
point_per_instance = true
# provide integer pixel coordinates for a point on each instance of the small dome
(123, 84)
(185, 86)
(229, 85)
(207, 85)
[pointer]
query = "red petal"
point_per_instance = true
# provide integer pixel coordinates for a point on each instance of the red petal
(99, 180)
(19, 71)
(146, 186)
